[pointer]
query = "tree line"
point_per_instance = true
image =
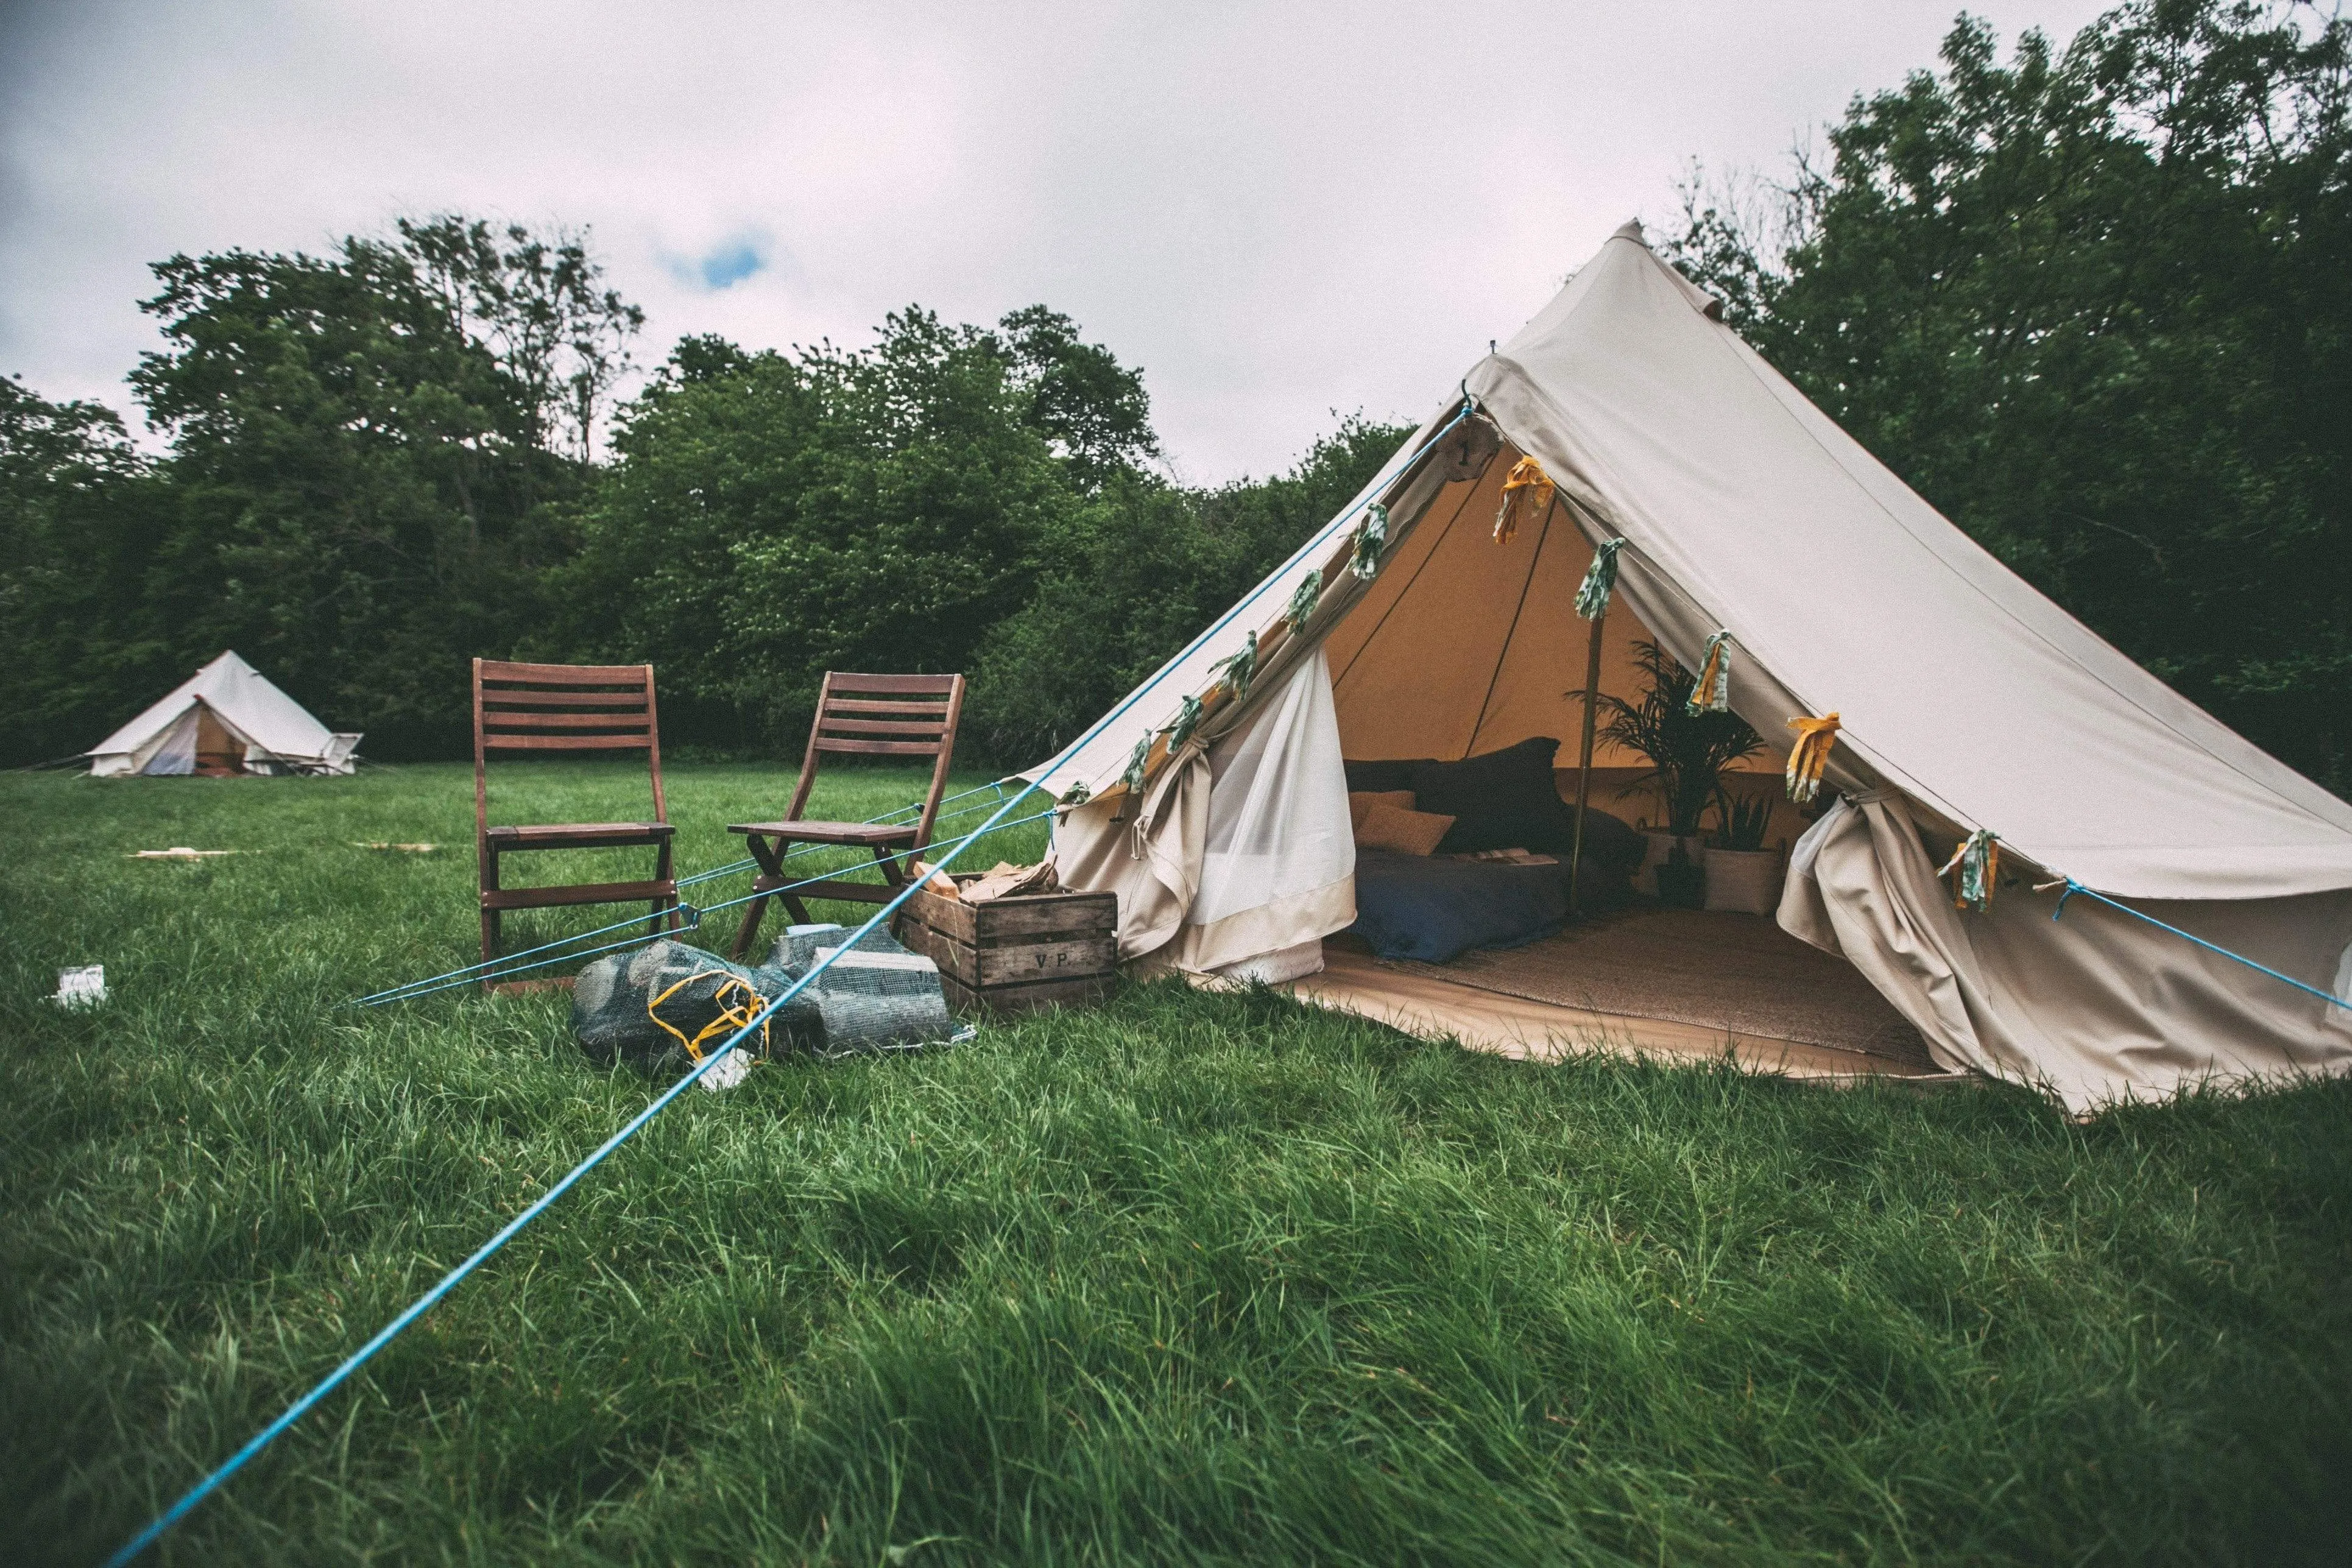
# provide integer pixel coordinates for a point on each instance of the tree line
(386, 460)
(2091, 303)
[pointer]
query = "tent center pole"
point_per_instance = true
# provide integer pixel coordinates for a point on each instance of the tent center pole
(1584, 756)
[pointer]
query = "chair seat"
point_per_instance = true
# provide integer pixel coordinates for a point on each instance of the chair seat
(830, 832)
(578, 835)
(661, 889)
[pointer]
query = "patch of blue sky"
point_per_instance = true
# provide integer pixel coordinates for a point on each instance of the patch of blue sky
(730, 264)
(721, 266)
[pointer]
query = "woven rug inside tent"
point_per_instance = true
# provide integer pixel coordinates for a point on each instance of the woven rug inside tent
(1718, 971)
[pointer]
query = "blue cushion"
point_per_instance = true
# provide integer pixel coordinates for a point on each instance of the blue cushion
(1415, 906)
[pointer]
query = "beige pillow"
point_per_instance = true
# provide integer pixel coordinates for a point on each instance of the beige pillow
(1361, 801)
(1386, 826)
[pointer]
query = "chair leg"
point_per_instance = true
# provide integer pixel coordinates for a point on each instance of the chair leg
(770, 875)
(749, 931)
(489, 880)
(654, 921)
(893, 879)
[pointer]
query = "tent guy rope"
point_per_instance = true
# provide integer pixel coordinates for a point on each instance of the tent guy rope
(482, 1254)
(2074, 887)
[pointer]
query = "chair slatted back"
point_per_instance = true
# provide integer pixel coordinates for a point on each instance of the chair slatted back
(520, 708)
(886, 716)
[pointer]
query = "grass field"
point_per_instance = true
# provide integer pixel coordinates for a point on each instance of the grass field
(1187, 1279)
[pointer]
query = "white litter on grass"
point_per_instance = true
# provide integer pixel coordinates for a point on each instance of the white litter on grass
(404, 849)
(731, 1070)
(178, 852)
(82, 986)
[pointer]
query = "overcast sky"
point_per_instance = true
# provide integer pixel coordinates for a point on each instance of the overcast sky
(1278, 210)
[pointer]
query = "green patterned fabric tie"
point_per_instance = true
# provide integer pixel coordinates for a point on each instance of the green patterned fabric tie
(1711, 692)
(1302, 602)
(1188, 718)
(1238, 669)
(1599, 581)
(1372, 538)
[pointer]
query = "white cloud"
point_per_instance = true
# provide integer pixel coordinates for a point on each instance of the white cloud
(1278, 212)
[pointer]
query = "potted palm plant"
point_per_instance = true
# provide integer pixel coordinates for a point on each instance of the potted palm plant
(1687, 753)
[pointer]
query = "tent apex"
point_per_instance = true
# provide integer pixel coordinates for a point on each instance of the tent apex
(1631, 230)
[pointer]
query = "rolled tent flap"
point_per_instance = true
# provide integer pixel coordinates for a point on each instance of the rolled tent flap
(1242, 850)
(1149, 855)
(1278, 863)
(172, 753)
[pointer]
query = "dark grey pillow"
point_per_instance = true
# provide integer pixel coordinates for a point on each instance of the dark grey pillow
(1509, 800)
(1380, 777)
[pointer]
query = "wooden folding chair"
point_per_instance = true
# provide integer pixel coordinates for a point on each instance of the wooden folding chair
(858, 715)
(529, 708)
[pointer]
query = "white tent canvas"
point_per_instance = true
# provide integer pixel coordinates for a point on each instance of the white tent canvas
(228, 709)
(1967, 701)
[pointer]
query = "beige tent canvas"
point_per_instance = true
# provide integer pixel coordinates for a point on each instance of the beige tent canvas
(227, 718)
(1968, 702)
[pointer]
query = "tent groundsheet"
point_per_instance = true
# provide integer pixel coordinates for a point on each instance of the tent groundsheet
(1967, 701)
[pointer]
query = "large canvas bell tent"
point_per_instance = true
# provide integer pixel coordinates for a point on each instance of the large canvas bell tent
(1217, 808)
(225, 719)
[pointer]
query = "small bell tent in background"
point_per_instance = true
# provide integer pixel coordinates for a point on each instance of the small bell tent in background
(225, 720)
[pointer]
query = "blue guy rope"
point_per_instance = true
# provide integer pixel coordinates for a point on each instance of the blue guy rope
(2074, 887)
(449, 1281)
(482, 1254)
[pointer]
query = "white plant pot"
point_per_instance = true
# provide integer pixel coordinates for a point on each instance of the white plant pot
(1660, 849)
(1746, 881)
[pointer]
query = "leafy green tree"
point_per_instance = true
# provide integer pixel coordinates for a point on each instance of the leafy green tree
(79, 519)
(1092, 408)
(362, 464)
(538, 303)
(773, 516)
(2094, 303)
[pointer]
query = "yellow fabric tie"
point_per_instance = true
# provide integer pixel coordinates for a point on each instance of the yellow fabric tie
(730, 1018)
(1808, 755)
(1525, 492)
(1711, 692)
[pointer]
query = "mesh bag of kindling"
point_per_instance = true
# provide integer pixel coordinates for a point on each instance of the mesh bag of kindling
(876, 996)
(668, 1004)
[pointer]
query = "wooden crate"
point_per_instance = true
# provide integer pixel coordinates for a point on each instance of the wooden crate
(1015, 954)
